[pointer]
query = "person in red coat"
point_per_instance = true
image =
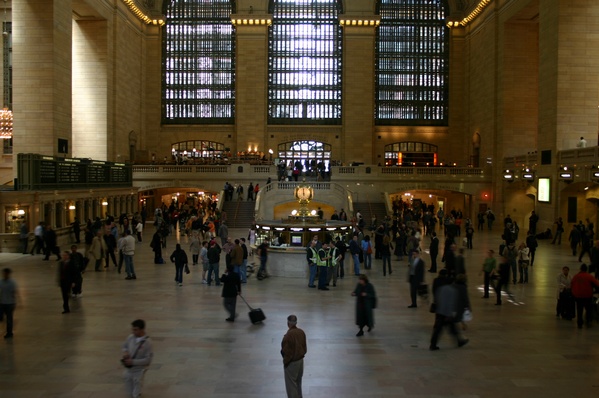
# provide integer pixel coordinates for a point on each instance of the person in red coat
(582, 290)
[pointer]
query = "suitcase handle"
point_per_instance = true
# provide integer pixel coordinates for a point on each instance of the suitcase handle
(246, 303)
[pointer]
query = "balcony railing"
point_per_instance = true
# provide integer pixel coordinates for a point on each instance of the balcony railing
(336, 171)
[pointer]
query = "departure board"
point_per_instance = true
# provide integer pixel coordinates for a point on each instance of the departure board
(38, 172)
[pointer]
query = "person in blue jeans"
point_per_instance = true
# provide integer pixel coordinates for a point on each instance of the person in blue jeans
(354, 249)
(179, 257)
(367, 252)
(311, 256)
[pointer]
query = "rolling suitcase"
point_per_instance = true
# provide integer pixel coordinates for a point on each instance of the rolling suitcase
(256, 314)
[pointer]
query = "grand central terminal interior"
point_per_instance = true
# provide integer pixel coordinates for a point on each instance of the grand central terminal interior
(115, 107)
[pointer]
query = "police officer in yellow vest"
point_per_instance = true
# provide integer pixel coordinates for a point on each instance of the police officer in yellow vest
(322, 263)
(333, 263)
(312, 257)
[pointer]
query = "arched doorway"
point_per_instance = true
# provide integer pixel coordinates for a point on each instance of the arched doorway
(307, 156)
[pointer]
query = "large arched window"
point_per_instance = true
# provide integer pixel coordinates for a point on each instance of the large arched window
(412, 53)
(304, 55)
(305, 155)
(198, 62)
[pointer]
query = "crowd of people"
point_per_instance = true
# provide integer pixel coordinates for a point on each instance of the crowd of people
(400, 237)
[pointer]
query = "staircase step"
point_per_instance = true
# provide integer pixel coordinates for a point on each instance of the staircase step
(368, 209)
(240, 214)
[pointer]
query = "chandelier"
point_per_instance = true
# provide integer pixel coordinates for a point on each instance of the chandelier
(5, 123)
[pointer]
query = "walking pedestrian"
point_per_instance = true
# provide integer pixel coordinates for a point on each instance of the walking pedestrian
(293, 350)
(365, 304)
(179, 257)
(231, 289)
(137, 356)
(8, 300)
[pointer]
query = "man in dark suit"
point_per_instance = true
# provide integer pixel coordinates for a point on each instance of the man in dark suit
(434, 251)
(67, 278)
(416, 276)
(231, 288)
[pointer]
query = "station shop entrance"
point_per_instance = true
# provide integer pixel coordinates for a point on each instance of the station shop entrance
(152, 199)
(439, 199)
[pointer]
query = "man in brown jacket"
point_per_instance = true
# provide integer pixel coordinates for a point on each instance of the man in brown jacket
(237, 257)
(293, 350)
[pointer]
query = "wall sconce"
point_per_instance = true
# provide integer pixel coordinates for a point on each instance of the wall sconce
(72, 207)
(508, 176)
(566, 175)
(528, 175)
(104, 203)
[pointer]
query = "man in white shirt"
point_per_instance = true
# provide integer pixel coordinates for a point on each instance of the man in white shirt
(38, 246)
(127, 245)
(582, 143)
(137, 356)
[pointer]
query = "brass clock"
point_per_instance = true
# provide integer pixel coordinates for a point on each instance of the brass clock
(304, 193)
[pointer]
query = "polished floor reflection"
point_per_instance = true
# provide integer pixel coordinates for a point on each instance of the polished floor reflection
(518, 350)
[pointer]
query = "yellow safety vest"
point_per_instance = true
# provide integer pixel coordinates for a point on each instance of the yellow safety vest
(333, 254)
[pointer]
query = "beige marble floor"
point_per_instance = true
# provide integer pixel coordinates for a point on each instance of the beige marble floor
(517, 350)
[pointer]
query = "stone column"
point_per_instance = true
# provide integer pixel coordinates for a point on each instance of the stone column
(358, 91)
(90, 89)
(87, 212)
(42, 65)
(53, 214)
(252, 84)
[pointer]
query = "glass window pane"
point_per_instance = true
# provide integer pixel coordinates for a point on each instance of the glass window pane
(304, 80)
(198, 63)
(412, 53)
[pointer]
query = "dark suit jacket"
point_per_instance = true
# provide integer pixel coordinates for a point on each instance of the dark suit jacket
(67, 273)
(419, 273)
(434, 247)
(231, 284)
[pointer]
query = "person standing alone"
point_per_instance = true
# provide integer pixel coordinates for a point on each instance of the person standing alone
(8, 300)
(293, 350)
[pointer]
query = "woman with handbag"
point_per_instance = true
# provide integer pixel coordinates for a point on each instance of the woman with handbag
(179, 257)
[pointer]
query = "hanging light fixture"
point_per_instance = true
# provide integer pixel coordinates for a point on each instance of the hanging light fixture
(5, 114)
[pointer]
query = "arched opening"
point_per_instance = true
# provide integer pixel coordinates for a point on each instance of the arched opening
(411, 154)
(199, 151)
(305, 156)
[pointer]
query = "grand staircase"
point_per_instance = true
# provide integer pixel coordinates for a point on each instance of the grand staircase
(240, 214)
(369, 208)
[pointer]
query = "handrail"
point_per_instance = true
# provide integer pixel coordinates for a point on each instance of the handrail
(388, 204)
(221, 202)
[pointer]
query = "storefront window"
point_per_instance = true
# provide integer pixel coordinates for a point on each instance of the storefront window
(14, 219)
